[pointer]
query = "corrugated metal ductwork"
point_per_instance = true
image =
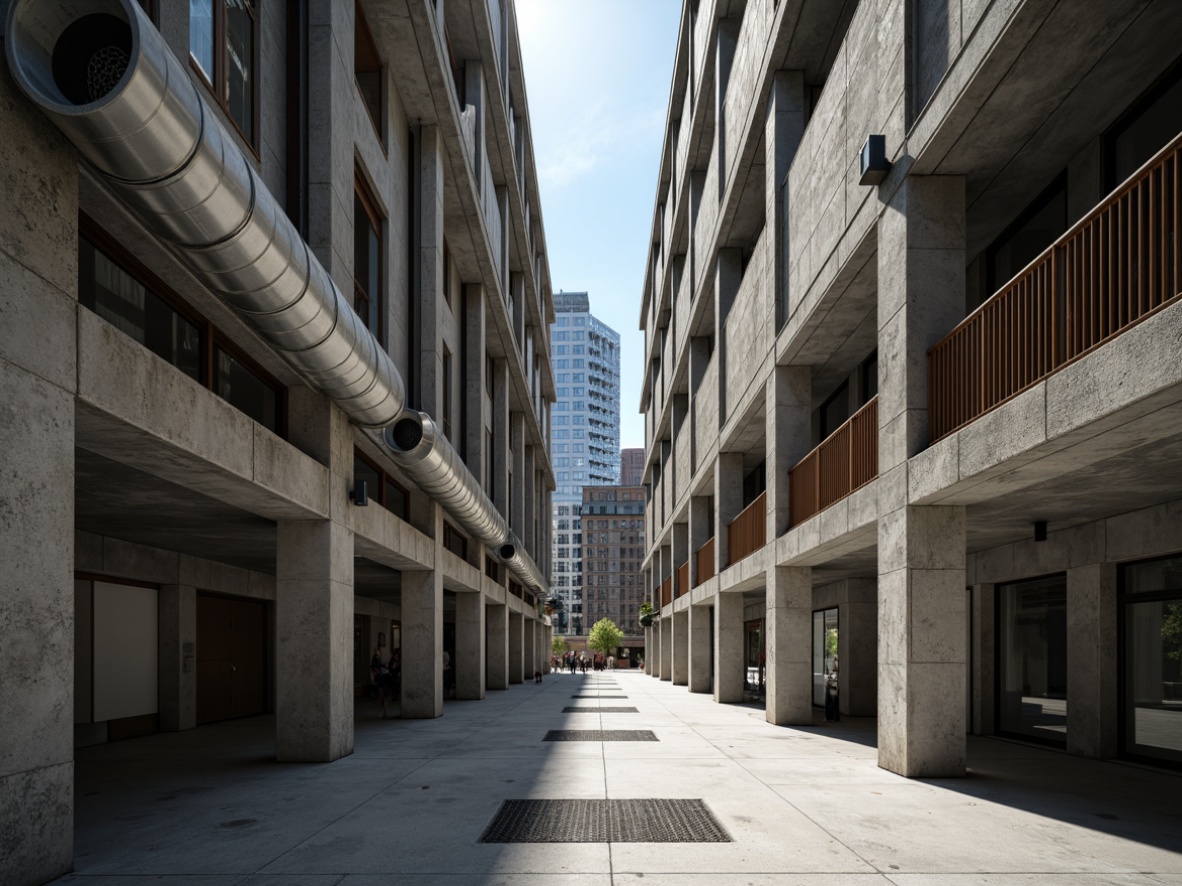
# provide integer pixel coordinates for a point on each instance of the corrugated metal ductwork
(417, 446)
(105, 77)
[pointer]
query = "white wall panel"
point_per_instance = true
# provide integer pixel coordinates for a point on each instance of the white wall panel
(125, 651)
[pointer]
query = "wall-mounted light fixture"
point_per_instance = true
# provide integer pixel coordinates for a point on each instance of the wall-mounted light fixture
(1040, 530)
(873, 163)
(360, 493)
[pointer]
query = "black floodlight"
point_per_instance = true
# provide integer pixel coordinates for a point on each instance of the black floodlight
(873, 163)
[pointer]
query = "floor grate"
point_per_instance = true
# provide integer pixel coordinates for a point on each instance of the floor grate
(601, 697)
(585, 710)
(600, 735)
(604, 821)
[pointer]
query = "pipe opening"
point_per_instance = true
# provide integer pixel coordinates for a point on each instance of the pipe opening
(406, 434)
(91, 57)
(507, 551)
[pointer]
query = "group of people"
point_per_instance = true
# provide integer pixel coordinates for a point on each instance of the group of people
(387, 677)
(582, 662)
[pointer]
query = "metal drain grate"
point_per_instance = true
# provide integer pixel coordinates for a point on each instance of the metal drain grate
(600, 735)
(604, 821)
(601, 697)
(577, 710)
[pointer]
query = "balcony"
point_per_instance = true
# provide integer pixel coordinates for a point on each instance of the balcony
(705, 555)
(682, 579)
(1113, 268)
(845, 461)
(747, 533)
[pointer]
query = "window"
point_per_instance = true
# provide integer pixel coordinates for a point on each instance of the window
(1032, 659)
(835, 410)
(223, 46)
(447, 393)
(1038, 226)
(454, 541)
(367, 259)
(367, 68)
(129, 297)
(381, 487)
(1152, 123)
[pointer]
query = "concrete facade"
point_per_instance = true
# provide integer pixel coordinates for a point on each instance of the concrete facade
(961, 571)
(613, 549)
(156, 481)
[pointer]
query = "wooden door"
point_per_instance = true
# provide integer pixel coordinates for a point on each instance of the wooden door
(231, 658)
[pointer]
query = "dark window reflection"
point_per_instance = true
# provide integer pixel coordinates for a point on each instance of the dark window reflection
(1032, 660)
(243, 389)
(1153, 658)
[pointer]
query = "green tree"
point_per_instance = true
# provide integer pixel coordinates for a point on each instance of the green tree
(605, 636)
(558, 645)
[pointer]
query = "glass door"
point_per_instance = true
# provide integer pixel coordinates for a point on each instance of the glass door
(1151, 656)
(1032, 659)
(824, 651)
(753, 680)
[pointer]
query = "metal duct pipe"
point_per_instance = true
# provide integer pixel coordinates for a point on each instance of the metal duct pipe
(105, 77)
(418, 447)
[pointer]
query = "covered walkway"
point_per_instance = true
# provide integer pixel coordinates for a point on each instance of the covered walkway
(409, 806)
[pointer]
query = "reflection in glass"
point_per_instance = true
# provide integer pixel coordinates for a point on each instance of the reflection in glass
(239, 62)
(243, 389)
(1153, 659)
(1032, 665)
(824, 650)
(201, 35)
(755, 673)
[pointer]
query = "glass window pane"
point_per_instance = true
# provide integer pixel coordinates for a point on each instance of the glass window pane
(240, 65)
(201, 35)
(1024, 245)
(1148, 134)
(1153, 665)
(372, 478)
(1032, 665)
(1157, 575)
(395, 499)
(241, 388)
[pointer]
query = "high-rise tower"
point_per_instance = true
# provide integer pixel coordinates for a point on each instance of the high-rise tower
(585, 437)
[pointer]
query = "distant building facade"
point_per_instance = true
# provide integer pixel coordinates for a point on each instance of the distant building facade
(613, 551)
(585, 428)
(631, 467)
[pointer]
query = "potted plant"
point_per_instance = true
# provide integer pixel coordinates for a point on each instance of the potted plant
(646, 614)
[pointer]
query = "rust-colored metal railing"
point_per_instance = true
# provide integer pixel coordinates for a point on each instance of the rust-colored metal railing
(747, 533)
(1114, 267)
(666, 592)
(682, 579)
(705, 555)
(846, 460)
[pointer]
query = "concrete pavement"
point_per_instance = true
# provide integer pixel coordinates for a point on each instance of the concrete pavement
(802, 805)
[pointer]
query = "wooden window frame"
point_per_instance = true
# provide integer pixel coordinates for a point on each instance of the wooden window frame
(212, 338)
(218, 84)
(369, 204)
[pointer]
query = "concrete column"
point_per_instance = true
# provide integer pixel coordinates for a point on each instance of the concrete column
(431, 271)
(516, 650)
(698, 252)
(472, 399)
(667, 647)
(470, 660)
(682, 431)
(530, 648)
(728, 648)
(701, 410)
(788, 408)
(681, 553)
(517, 288)
(727, 38)
(783, 129)
(983, 658)
(1092, 661)
(38, 378)
(857, 649)
(177, 636)
(547, 647)
(499, 488)
(650, 649)
(422, 641)
(728, 503)
(700, 530)
(699, 643)
(314, 641)
(680, 651)
(516, 440)
(789, 653)
(528, 480)
(922, 651)
(497, 646)
(474, 96)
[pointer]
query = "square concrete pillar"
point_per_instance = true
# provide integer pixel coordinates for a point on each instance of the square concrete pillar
(547, 647)
(470, 661)
(783, 129)
(666, 647)
(729, 663)
(516, 650)
(788, 408)
(699, 644)
(728, 503)
(857, 649)
(422, 643)
(701, 410)
(314, 641)
(1092, 661)
(497, 646)
(983, 653)
(430, 302)
(652, 651)
(788, 623)
(529, 648)
(728, 276)
(701, 528)
(177, 677)
(472, 400)
(680, 652)
(922, 650)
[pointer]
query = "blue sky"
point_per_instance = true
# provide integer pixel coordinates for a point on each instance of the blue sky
(597, 75)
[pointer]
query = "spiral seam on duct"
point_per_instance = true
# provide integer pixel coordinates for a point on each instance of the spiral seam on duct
(162, 151)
